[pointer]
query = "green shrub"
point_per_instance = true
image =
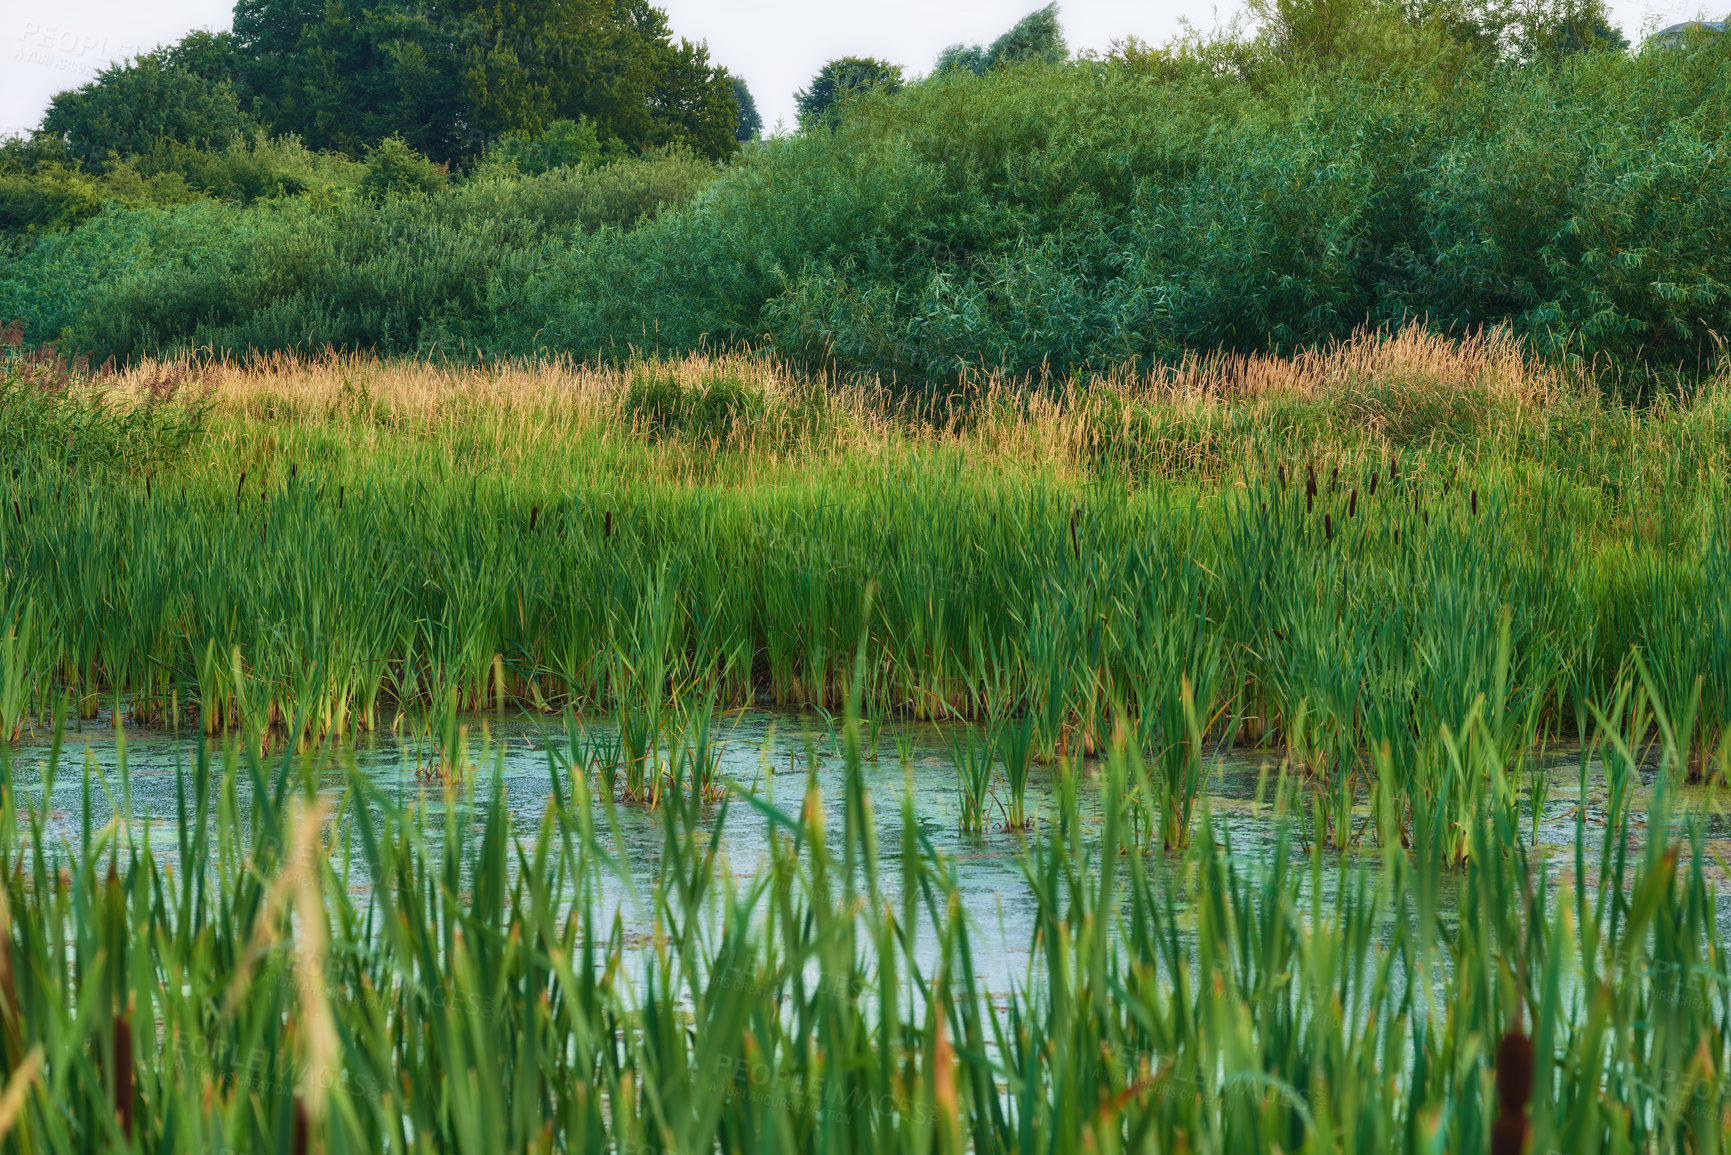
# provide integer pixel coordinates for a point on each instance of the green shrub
(396, 170)
(563, 144)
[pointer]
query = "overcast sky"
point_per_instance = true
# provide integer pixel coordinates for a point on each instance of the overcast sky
(50, 45)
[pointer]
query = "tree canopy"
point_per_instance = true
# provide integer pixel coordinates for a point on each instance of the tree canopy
(182, 93)
(445, 78)
(819, 104)
(750, 120)
(1035, 37)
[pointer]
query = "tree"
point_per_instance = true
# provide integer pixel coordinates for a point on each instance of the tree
(449, 79)
(1571, 27)
(836, 81)
(750, 122)
(1526, 30)
(132, 105)
(1036, 37)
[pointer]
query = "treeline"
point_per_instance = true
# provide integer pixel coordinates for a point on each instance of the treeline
(446, 77)
(1337, 164)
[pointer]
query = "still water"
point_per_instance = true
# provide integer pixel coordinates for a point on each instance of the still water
(773, 755)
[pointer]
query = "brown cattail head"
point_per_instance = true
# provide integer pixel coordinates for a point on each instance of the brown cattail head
(1310, 481)
(1514, 1091)
(607, 525)
(1280, 472)
(238, 486)
(298, 1140)
(1373, 479)
(1334, 479)
(1475, 503)
(123, 1073)
(534, 513)
(1514, 1073)
(1352, 504)
(1328, 527)
(1508, 1135)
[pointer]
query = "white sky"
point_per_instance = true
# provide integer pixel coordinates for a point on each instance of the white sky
(50, 45)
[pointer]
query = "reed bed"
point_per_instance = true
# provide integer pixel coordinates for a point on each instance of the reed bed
(313, 971)
(1340, 558)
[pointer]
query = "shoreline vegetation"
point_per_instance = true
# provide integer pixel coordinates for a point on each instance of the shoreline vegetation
(1345, 387)
(304, 971)
(1401, 566)
(1264, 188)
(1335, 553)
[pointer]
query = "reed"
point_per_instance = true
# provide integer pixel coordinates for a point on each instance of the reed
(974, 759)
(343, 541)
(344, 971)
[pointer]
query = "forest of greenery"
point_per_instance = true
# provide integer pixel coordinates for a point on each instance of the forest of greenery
(510, 180)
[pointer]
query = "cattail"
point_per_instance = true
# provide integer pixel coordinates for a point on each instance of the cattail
(1397, 535)
(1334, 479)
(1075, 545)
(17, 511)
(1514, 1091)
(1475, 503)
(1327, 527)
(339, 497)
(298, 1137)
(1309, 481)
(607, 525)
(240, 485)
(534, 512)
(148, 496)
(1352, 504)
(1280, 472)
(1373, 478)
(123, 1073)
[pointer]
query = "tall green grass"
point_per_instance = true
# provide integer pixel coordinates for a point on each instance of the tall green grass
(1346, 602)
(305, 970)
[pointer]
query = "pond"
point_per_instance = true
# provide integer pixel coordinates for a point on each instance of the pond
(772, 755)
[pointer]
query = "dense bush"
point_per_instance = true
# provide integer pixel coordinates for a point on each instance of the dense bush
(1068, 218)
(397, 273)
(1246, 194)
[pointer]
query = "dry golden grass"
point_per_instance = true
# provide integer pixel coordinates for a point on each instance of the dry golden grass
(1375, 391)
